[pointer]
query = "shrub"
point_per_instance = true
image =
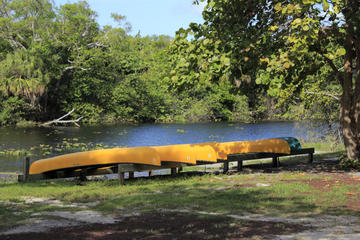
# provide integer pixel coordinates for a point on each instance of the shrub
(346, 163)
(12, 110)
(90, 113)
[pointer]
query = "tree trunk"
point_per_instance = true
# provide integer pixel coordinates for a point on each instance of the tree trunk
(350, 101)
(349, 129)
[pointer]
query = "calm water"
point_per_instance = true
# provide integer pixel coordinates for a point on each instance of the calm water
(150, 135)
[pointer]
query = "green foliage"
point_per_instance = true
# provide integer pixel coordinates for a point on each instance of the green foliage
(348, 164)
(12, 110)
(235, 66)
(24, 75)
(59, 58)
(90, 112)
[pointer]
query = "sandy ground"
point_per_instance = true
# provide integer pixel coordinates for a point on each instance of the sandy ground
(93, 225)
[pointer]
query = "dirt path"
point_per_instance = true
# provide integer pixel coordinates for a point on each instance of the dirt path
(174, 224)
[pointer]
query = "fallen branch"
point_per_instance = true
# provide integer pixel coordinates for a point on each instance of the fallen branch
(60, 121)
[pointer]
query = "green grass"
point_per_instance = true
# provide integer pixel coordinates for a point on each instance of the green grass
(235, 194)
(285, 193)
(325, 146)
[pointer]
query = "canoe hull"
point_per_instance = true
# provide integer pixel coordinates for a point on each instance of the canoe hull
(192, 154)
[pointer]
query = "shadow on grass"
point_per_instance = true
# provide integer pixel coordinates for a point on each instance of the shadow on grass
(323, 163)
(202, 198)
(171, 226)
(9, 216)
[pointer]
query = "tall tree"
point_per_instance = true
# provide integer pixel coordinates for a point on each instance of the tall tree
(25, 27)
(299, 37)
(327, 32)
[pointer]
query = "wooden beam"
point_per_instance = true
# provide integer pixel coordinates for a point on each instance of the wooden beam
(26, 169)
(239, 165)
(83, 174)
(226, 167)
(311, 157)
(275, 161)
(120, 175)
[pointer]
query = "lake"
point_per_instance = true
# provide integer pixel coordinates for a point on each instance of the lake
(46, 142)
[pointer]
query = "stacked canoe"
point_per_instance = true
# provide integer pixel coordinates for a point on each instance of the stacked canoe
(161, 156)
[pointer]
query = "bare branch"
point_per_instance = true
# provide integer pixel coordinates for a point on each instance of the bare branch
(66, 114)
(60, 121)
(96, 44)
(75, 67)
(324, 94)
(14, 44)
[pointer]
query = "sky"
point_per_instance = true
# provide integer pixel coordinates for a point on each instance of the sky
(147, 16)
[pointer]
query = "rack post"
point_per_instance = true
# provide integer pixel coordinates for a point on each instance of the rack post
(239, 165)
(226, 167)
(26, 169)
(311, 157)
(275, 161)
(120, 175)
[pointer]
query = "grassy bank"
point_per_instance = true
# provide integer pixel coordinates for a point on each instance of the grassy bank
(287, 191)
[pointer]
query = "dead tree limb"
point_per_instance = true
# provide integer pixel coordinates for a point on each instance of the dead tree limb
(60, 121)
(324, 94)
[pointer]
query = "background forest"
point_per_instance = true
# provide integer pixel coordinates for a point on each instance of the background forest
(56, 59)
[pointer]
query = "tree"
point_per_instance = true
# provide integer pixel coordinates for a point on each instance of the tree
(25, 27)
(291, 40)
(325, 32)
(23, 75)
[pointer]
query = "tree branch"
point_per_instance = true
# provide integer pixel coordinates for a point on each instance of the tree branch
(74, 67)
(334, 68)
(14, 44)
(324, 94)
(60, 121)
(96, 44)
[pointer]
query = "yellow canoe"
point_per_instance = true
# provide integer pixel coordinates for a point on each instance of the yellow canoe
(159, 155)
(139, 155)
(275, 145)
(186, 153)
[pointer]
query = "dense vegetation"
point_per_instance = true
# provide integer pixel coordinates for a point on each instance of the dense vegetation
(55, 59)
(249, 60)
(294, 48)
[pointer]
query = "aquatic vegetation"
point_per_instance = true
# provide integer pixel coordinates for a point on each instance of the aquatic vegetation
(15, 152)
(67, 145)
(124, 132)
(180, 130)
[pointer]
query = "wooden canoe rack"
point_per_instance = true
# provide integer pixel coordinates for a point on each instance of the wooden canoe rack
(120, 169)
(239, 158)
